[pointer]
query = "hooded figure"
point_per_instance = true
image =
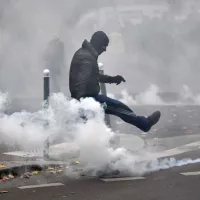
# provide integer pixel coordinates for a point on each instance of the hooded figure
(84, 79)
(84, 71)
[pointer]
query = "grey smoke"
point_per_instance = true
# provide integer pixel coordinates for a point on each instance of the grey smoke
(159, 48)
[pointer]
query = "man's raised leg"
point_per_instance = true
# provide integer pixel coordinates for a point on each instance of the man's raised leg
(117, 108)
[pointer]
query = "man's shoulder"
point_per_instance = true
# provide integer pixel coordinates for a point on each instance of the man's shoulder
(83, 54)
(83, 51)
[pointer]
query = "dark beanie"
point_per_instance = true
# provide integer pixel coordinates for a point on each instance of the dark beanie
(99, 39)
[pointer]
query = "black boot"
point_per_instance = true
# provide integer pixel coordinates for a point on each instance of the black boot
(154, 118)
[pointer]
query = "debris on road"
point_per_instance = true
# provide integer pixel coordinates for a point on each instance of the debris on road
(49, 169)
(4, 179)
(26, 175)
(59, 171)
(35, 172)
(2, 166)
(55, 171)
(10, 176)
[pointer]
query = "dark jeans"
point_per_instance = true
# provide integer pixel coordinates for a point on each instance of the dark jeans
(119, 109)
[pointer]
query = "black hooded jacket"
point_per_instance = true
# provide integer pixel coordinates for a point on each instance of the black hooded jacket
(84, 74)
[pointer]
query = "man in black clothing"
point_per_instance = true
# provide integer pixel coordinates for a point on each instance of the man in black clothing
(84, 79)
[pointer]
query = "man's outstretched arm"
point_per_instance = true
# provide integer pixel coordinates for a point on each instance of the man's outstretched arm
(111, 79)
(105, 78)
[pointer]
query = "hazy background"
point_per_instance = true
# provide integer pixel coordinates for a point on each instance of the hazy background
(152, 42)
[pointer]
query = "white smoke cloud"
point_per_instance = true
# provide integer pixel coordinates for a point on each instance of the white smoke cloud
(127, 98)
(27, 27)
(151, 96)
(188, 96)
(92, 138)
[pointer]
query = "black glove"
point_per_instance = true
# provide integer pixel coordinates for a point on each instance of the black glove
(118, 79)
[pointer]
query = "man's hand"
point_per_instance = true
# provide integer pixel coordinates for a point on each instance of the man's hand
(118, 79)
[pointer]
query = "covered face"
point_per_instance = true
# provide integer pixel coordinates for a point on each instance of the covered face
(99, 41)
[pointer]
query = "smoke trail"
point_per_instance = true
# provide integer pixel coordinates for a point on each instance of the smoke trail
(148, 163)
(168, 163)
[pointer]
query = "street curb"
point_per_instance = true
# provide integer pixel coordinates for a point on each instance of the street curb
(19, 170)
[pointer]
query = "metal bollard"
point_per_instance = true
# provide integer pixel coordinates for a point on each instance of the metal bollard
(104, 92)
(46, 91)
(46, 86)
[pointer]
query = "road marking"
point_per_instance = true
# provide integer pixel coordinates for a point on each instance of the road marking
(122, 179)
(24, 154)
(180, 150)
(67, 150)
(40, 186)
(191, 173)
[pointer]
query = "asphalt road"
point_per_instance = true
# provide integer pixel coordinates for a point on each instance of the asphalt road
(179, 126)
(165, 185)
